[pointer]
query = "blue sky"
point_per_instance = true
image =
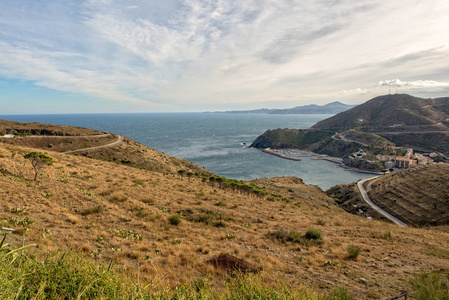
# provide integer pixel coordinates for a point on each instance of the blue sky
(198, 55)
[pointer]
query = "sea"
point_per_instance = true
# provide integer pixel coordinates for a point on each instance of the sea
(217, 141)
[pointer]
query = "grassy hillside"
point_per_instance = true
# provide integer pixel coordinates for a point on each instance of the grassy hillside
(169, 229)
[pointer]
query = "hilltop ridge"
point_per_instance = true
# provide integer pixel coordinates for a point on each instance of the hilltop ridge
(400, 112)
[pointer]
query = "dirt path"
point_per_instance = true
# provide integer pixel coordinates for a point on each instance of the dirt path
(119, 139)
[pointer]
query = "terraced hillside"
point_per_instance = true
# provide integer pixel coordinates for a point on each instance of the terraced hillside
(418, 196)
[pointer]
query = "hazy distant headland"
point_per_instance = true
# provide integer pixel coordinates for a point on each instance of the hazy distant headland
(330, 108)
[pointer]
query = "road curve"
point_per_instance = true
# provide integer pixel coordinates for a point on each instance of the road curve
(119, 139)
(365, 197)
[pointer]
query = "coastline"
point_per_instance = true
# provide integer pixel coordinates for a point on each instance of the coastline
(335, 160)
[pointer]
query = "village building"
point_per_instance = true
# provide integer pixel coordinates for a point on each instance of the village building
(408, 160)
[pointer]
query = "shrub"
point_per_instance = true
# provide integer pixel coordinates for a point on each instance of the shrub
(119, 197)
(92, 210)
(387, 235)
(287, 236)
(321, 222)
(219, 223)
(311, 238)
(313, 234)
(353, 251)
(175, 220)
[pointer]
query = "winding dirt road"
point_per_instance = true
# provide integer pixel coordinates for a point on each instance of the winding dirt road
(119, 139)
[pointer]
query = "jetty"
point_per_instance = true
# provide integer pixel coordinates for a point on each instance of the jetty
(273, 152)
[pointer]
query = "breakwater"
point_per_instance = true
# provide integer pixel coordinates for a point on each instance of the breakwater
(272, 152)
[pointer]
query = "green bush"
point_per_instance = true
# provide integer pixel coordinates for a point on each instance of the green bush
(311, 238)
(353, 251)
(313, 234)
(175, 220)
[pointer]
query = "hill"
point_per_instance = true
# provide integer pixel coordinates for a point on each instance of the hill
(418, 196)
(398, 112)
(330, 108)
(169, 226)
(381, 126)
(405, 120)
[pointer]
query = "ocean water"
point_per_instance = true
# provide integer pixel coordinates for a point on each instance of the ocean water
(215, 141)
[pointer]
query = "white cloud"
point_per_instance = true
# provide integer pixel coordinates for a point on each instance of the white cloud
(357, 91)
(192, 53)
(413, 84)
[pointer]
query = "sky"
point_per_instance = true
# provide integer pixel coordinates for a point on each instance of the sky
(105, 56)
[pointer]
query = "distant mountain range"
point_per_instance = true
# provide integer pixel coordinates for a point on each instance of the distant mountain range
(330, 108)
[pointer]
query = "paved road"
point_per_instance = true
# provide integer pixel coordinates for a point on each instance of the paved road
(343, 138)
(119, 139)
(408, 132)
(365, 197)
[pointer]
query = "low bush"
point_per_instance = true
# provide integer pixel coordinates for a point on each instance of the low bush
(175, 220)
(313, 234)
(311, 238)
(353, 251)
(92, 210)
(119, 197)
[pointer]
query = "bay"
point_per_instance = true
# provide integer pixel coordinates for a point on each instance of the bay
(216, 141)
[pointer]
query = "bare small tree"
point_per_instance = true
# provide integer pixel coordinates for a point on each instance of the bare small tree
(38, 161)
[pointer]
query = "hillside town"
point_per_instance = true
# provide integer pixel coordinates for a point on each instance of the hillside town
(410, 159)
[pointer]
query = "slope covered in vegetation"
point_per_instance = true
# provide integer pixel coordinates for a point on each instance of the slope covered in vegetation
(170, 228)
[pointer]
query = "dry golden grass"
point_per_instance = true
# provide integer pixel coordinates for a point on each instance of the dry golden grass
(116, 212)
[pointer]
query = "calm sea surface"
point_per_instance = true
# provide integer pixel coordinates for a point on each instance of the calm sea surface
(213, 141)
